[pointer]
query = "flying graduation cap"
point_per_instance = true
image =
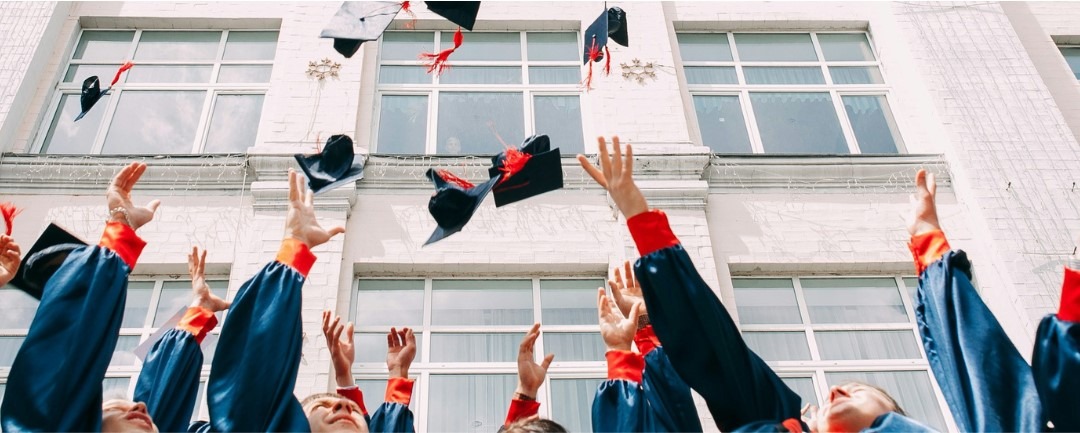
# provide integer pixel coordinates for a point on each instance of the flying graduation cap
(336, 165)
(528, 171)
(91, 90)
(610, 24)
(461, 13)
(44, 258)
(454, 202)
(357, 22)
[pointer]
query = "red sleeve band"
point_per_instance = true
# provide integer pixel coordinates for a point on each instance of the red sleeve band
(399, 390)
(651, 231)
(646, 340)
(123, 241)
(1069, 310)
(296, 255)
(927, 248)
(624, 364)
(521, 409)
(353, 393)
(198, 321)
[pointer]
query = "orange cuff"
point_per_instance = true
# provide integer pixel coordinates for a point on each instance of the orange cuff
(651, 231)
(927, 248)
(198, 321)
(521, 409)
(296, 255)
(123, 241)
(1069, 310)
(399, 390)
(353, 393)
(624, 364)
(646, 340)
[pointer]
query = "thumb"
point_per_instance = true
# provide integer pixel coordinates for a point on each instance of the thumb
(635, 311)
(931, 184)
(336, 231)
(153, 205)
(227, 304)
(547, 361)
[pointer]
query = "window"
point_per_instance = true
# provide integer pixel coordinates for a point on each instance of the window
(189, 92)
(800, 93)
(1072, 57)
(820, 332)
(468, 332)
(501, 88)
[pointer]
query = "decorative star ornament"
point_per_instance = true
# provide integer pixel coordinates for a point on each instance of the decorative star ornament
(322, 69)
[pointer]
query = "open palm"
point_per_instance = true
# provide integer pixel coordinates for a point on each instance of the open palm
(201, 294)
(924, 210)
(9, 259)
(616, 329)
(118, 196)
(300, 223)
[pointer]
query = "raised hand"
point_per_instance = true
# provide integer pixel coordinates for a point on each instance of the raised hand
(616, 175)
(626, 291)
(530, 374)
(300, 223)
(342, 350)
(400, 351)
(119, 198)
(10, 256)
(201, 294)
(924, 216)
(617, 330)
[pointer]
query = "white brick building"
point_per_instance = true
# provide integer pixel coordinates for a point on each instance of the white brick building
(780, 137)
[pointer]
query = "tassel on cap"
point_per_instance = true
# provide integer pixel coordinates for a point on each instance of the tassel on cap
(123, 68)
(513, 161)
(452, 178)
(8, 210)
(594, 54)
(438, 61)
(407, 7)
(607, 61)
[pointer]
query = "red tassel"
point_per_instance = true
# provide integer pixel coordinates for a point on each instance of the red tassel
(450, 177)
(123, 68)
(8, 210)
(405, 6)
(438, 61)
(594, 54)
(513, 161)
(607, 61)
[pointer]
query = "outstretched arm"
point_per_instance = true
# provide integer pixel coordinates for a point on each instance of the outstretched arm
(620, 404)
(394, 414)
(10, 257)
(530, 376)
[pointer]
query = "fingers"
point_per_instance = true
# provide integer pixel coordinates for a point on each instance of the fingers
(547, 362)
(136, 174)
(201, 267)
(605, 161)
(350, 333)
(392, 340)
(336, 231)
(618, 278)
(294, 193)
(191, 261)
(326, 322)
(592, 170)
(635, 311)
(931, 184)
(628, 160)
(309, 198)
(615, 292)
(600, 298)
(616, 159)
(410, 337)
(336, 328)
(153, 205)
(530, 339)
(920, 180)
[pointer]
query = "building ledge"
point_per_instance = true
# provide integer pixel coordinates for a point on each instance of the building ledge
(824, 173)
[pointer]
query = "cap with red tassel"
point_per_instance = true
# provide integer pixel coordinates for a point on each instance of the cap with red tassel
(532, 169)
(8, 211)
(611, 23)
(437, 61)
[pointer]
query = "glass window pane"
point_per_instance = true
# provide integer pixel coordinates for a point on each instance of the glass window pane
(485, 46)
(406, 45)
(167, 74)
(778, 346)
(371, 347)
(552, 46)
(783, 75)
(711, 75)
(137, 304)
(404, 75)
(481, 302)
(804, 386)
(373, 391)
(873, 123)
(105, 45)
(853, 300)
(473, 123)
(154, 122)
(475, 347)
(911, 390)
(169, 45)
(856, 75)
(390, 303)
(798, 123)
(569, 398)
(845, 47)
(1072, 57)
(68, 137)
(200, 401)
(775, 47)
(569, 302)
(704, 47)
(176, 296)
(554, 74)
(234, 124)
(761, 301)
(911, 284)
(124, 353)
(402, 124)
(834, 345)
(722, 125)
(242, 45)
(209, 348)
(481, 75)
(115, 388)
(575, 346)
(3, 387)
(244, 74)
(78, 73)
(9, 347)
(560, 118)
(18, 308)
(483, 410)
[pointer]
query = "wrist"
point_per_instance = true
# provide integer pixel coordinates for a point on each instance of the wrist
(643, 321)
(527, 393)
(344, 380)
(120, 215)
(399, 372)
(622, 345)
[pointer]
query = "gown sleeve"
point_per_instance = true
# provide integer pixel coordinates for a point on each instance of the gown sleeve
(169, 380)
(671, 405)
(394, 414)
(620, 404)
(1056, 361)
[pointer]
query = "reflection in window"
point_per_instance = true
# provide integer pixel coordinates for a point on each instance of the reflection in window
(798, 123)
(474, 123)
(483, 411)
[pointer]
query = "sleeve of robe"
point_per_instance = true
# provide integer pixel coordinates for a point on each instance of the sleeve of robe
(986, 383)
(620, 404)
(671, 406)
(55, 380)
(254, 371)
(520, 409)
(1056, 361)
(700, 338)
(394, 414)
(169, 380)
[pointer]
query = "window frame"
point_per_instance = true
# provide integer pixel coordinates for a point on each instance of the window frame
(1075, 74)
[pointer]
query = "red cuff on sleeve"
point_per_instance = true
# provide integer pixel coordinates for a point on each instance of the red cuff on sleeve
(1069, 310)
(521, 409)
(927, 248)
(296, 255)
(624, 364)
(123, 241)
(353, 393)
(198, 321)
(651, 231)
(399, 390)
(646, 340)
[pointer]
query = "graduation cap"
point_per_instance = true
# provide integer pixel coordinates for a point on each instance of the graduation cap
(461, 13)
(360, 21)
(529, 171)
(336, 165)
(611, 23)
(144, 349)
(454, 202)
(44, 258)
(91, 90)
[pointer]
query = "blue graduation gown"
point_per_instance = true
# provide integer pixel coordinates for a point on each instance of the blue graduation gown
(169, 380)
(392, 417)
(659, 402)
(1056, 367)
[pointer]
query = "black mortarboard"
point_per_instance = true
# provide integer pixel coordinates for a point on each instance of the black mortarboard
(611, 23)
(336, 165)
(453, 203)
(358, 22)
(523, 178)
(91, 93)
(460, 13)
(44, 258)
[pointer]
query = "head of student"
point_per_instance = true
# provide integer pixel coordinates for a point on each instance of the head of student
(533, 424)
(329, 412)
(853, 407)
(119, 415)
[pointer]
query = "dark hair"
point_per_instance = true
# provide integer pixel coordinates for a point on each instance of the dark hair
(889, 398)
(533, 425)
